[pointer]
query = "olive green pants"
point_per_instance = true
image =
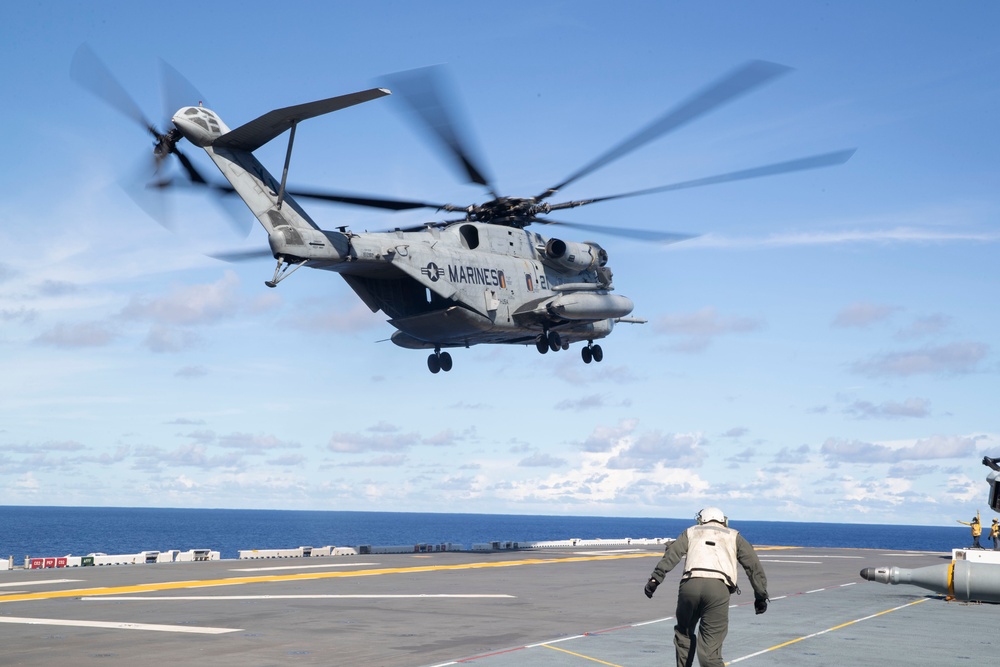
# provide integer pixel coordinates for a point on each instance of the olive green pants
(707, 601)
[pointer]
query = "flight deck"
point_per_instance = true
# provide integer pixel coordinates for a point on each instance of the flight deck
(567, 607)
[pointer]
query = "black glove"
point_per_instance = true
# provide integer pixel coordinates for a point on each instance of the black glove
(650, 587)
(760, 605)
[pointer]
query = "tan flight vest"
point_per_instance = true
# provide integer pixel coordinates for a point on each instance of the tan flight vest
(711, 553)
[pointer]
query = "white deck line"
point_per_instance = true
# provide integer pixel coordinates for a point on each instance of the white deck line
(111, 625)
(296, 567)
(39, 583)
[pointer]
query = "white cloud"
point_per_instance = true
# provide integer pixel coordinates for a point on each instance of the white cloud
(866, 495)
(650, 450)
(21, 314)
(618, 466)
(163, 338)
(354, 443)
(83, 334)
(924, 326)
(27, 483)
(355, 318)
(923, 449)
(590, 402)
(254, 444)
(189, 305)
(911, 407)
(863, 314)
(956, 358)
(540, 460)
(697, 330)
(191, 372)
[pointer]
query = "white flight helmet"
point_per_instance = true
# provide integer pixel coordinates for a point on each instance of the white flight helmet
(712, 514)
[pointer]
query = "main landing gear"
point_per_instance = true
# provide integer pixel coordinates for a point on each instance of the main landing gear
(551, 340)
(439, 361)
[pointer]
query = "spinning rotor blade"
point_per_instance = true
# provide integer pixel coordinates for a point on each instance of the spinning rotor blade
(192, 173)
(625, 232)
(88, 71)
(739, 82)
(136, 184)
(321, 195)
(422, 90)
(176, 91)
(371, 202)
(801, 164)
(243, 255)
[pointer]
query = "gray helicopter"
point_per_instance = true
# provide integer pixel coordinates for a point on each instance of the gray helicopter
(479, 278)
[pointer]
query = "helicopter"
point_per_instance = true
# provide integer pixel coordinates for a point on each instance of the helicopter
(480, 277)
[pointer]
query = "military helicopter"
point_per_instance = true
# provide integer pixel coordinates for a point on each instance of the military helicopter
(478, 278)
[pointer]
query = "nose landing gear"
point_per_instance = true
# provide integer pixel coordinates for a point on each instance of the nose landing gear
(439, 361)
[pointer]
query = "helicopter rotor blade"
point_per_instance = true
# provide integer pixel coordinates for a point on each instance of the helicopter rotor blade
(189, 168)
(242, 255)
(625, 232)
(176, 91)
(739, 82)
(385, 203)
(371, 202)
(136, 184)
(91, 73)
(801, 164)
(423, 90)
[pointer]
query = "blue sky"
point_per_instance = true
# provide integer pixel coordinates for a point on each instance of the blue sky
(824, 351)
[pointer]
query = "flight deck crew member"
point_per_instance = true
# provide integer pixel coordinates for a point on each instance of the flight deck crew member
(712, 550)
(995, 534)
(977, 530)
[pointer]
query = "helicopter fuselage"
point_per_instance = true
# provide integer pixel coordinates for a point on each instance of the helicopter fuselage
(459, 285)
(467, 284)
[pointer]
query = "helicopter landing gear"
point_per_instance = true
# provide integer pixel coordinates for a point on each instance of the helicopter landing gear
(283, 270)
(439, 361)
(554, 341)
(549, 340)
(592, 353)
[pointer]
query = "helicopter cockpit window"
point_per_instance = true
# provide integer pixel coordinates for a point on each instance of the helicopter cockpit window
(470, 235)
(191, 112)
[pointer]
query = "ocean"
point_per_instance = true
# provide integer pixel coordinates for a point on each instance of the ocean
(60, 531)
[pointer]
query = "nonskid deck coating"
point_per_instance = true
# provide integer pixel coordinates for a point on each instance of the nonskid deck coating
(553, 608)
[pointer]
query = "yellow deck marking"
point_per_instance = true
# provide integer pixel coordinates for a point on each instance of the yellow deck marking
(580, 655)
(302, 576)
(823, 632)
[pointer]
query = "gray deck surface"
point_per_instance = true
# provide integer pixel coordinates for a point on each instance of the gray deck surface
(569, 607)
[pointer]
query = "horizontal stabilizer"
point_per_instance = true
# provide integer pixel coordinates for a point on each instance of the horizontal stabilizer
(256, 133)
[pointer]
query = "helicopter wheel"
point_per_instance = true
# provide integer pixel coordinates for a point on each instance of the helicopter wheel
(542, 343)
(445, 359)
(598, 353)
(555, 341)
(434, 363)
(587, 354)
